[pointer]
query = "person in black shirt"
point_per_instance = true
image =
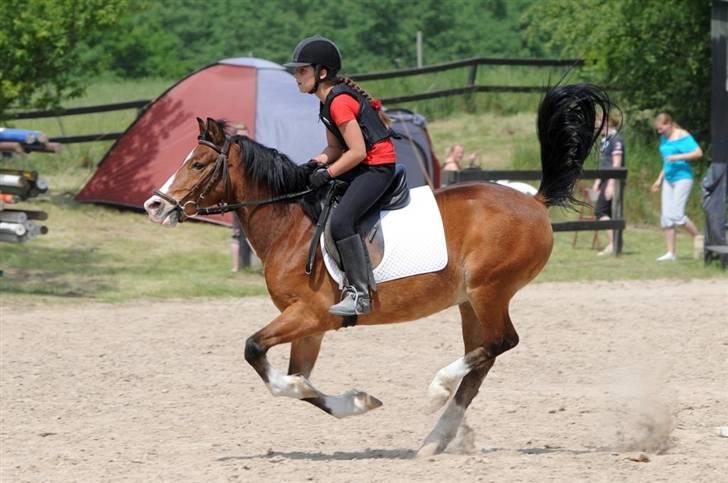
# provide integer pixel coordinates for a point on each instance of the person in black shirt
(611, 155)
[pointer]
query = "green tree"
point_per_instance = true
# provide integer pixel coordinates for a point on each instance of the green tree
(173, 38)
(41, 62)
(140, 45)
(657, 52)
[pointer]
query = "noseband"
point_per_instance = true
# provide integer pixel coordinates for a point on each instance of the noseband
(187, 207)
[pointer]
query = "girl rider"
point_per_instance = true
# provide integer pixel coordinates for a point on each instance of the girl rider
(359, 151)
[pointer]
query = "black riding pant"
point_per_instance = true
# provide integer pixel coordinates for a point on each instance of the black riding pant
(366, 185)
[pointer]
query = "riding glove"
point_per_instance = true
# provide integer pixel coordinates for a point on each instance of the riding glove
(319, 178)
(311, 166)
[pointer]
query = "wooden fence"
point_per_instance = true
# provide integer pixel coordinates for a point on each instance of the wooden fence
(470, 87)
(617, 224)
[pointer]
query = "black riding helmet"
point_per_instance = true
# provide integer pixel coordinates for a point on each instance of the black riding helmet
(319, 52)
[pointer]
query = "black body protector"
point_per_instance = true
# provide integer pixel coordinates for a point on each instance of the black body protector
(372, 128)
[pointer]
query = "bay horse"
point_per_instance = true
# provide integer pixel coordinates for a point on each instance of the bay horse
(498, 240)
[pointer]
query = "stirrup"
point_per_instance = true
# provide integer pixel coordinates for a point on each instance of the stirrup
(352, 303)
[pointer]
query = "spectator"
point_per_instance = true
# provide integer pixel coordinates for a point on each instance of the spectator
(678, 148)
(455, 155)
(611, 155)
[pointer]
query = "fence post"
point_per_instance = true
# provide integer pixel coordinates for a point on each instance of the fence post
(617, 214)
(419, 49)
(244, 252)
(472, 74)
(470, 97)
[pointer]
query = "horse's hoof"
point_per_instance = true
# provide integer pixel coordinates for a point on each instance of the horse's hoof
(364, 402)
(373, 402)
(429, 449)
(351, 403)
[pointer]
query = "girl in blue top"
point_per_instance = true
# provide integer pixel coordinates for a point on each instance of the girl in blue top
(678, 148)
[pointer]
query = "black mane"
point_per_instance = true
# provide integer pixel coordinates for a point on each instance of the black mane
(270, 168)
(275, 170)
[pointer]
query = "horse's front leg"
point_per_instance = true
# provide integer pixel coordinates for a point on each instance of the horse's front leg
(304, 352)
(298, 325)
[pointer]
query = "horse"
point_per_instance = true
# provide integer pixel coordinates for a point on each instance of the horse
(498, 240)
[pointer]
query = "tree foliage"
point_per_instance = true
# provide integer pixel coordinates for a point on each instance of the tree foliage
(50, 48)
(657, 52)
(172, 38)
(41, 62)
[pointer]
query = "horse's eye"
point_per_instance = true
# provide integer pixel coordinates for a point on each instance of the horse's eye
(197, 165)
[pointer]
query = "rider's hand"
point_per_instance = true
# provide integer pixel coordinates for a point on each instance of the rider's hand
(311, 166)
(319, 178)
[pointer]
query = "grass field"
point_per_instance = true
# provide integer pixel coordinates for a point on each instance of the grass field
(101, 253)
(104, 254)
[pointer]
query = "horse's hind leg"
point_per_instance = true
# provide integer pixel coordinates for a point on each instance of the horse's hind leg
(298, 326)
(484, 337)
(469, 372)
(451, 419)
(447, 379)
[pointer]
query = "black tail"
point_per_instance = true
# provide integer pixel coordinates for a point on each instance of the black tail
(566, 131)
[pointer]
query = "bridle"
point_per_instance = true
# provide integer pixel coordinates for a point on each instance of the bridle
(188, 207)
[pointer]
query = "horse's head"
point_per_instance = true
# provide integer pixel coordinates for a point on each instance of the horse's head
(203, 179)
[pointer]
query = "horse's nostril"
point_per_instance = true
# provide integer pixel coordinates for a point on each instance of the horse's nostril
(155, 205)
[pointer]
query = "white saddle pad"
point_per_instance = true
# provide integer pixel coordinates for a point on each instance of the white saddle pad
(519, 186)
(414, 240)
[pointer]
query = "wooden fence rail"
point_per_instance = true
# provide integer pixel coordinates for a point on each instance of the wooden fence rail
(87, 138)
(73, 111)
(470, 88)
(472, 63)
(457, 91)
(617, 224)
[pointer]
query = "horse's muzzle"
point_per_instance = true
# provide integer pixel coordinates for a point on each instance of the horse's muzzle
(161, 211)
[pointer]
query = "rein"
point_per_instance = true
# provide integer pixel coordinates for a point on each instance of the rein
(226, 207)
(219, 173)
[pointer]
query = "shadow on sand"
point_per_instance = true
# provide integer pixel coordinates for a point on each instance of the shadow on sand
(390, 454)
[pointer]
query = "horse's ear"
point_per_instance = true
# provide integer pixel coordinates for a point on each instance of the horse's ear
(214, 130)
(202, 126)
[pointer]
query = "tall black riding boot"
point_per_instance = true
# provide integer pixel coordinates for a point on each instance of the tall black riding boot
(355, 296)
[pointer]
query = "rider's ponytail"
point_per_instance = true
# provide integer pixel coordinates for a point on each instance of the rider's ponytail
(375, 103)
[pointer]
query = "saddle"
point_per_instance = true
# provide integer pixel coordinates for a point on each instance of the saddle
(369, 227)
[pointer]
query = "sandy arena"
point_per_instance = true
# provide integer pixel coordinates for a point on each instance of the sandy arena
(624, 381)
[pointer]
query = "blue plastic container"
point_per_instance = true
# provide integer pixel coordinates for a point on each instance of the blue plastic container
(24, 136)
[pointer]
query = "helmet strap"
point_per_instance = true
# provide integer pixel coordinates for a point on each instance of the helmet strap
(316, 75)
